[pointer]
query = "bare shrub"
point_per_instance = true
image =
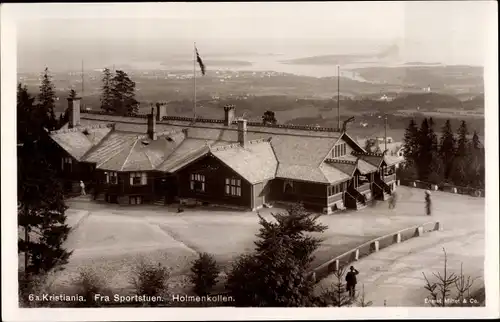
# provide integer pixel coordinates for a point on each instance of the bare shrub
(88, 284)
(150, 279)
(441, 291)
(336, 295)
(361, 300)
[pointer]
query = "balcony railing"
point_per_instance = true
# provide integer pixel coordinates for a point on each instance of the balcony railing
(390, 177)
(335, 198)
(364, 187)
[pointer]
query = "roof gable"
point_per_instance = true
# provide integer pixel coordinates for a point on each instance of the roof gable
(255, 162)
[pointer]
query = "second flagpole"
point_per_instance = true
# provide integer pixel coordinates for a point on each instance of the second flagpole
(194, 78)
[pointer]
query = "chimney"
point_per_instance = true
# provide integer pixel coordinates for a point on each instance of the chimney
(161, 111)
(242, 132)
(229, 111)
(74, 111)
(152, 125)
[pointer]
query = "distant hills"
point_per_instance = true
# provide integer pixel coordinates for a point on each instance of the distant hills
(390, 53)
(209, 62)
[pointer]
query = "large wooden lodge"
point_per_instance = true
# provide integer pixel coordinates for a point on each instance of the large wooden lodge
(158, 158)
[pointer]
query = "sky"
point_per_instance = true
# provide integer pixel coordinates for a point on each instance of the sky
(449, 30)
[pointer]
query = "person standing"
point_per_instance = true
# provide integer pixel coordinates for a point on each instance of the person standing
(392, 200)
(82, 186)
(428, 202)
(351, 281)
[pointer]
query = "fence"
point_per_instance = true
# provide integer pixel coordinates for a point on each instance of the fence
(370, 247)
(444, 187)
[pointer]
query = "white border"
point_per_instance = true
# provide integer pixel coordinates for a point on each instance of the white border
(10, 13)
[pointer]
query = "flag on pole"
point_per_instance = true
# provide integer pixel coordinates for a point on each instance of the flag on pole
(200, 62)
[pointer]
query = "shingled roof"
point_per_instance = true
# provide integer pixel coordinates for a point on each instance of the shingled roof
(284, 151)
(255, 162)
(80, 140)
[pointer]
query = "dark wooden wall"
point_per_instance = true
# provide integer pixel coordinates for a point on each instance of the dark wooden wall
(215, 174)
(312, 195)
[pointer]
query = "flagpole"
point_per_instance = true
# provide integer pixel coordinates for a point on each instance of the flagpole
(194, 77)
(338, 97)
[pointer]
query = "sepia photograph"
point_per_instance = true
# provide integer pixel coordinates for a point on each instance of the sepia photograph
(214, 160)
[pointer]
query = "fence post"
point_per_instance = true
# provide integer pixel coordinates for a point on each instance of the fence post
(355, 255)
(438, 226)
(397, 238)
(374, 246)
(419, 231)
(414, 184)
(454, 190)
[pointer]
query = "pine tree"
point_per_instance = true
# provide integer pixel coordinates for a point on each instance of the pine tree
(40, 200)
(269, 118)
(26, 114)
(47, 99)
(476, 165)
(123, 94)
(433, 137)
(424, 159)
(461, 163)
(204, 273)
(447, 148)
(410, 147)
(106, 91)
(336, 296)
(463, 141)
(278, 267)
(369, 145)
(436, 167)
(476, 144)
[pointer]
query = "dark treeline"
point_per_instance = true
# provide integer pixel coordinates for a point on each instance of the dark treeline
(41, 208)
(454, 158)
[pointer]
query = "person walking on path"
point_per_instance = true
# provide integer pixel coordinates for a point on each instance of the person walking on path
(392, 200)
(428, 202)
(82, 186)
(351, 281)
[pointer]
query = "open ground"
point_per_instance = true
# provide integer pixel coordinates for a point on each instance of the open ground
(111, 238)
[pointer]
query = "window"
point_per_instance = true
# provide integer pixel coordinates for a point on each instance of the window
(197, 182)
(66, 163)
(111, 177)
(138, 178)
(233, 187)
(339, 150)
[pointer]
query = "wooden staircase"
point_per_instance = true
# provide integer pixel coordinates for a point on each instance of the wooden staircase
(354, 199)
(160, 201)
(360, 205)
(382, 190)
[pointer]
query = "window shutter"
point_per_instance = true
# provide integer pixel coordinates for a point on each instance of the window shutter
(131, 178)
(107, 177)
(144, 178)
